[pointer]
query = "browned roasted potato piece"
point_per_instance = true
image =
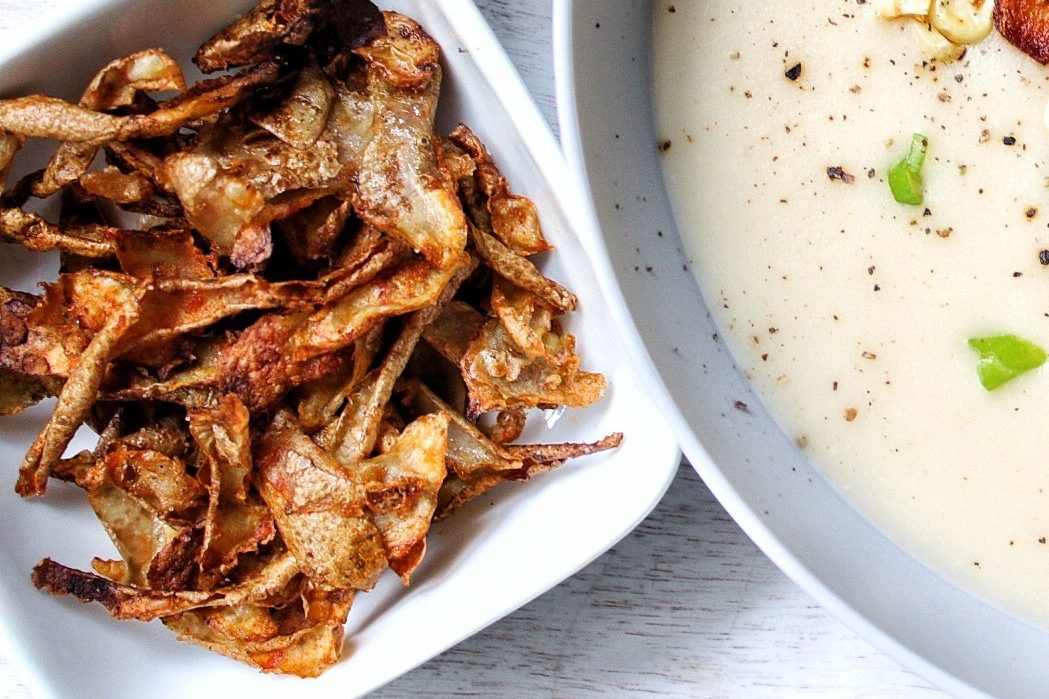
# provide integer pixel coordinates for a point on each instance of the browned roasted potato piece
(1025, 23)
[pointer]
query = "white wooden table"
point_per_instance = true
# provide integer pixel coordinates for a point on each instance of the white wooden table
(685, 606)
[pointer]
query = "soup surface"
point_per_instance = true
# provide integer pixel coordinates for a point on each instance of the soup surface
(850, 312)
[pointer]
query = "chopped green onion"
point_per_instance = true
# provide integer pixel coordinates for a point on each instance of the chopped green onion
(1004, 357)
(905, 177)
(906, 184)
(916, 154)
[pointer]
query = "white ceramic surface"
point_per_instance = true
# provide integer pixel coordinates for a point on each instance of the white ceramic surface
(952, 638)
(497, 554)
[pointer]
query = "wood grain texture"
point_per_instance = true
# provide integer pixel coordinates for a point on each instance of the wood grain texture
(685, 606)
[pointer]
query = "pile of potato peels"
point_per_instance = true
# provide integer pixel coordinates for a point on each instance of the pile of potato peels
(276, 353)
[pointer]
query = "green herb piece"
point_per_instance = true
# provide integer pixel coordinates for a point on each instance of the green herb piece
(1004, 357)
(905, 177)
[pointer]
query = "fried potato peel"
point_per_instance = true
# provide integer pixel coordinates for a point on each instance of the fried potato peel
(287, 361)
(115, 86)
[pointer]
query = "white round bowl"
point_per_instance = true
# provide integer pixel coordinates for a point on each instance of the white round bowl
(955, 640)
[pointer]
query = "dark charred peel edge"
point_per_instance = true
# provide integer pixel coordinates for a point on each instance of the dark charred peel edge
(365, 24)
(547, 453)
(58, 579)
(228, 86)
(333, 26)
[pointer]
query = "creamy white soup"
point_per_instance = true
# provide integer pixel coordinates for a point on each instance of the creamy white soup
(849, 312)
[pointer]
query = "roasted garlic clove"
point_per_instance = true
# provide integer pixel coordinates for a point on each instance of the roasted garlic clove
(934, 44)
(962, 21)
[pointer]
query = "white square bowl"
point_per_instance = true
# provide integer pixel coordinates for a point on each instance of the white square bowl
(494, 556)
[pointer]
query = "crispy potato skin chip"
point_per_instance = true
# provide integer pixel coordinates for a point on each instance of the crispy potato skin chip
(36, 335)
(35, 233)
(475, 463)
(78, 393)
(150, 70)
(20, 391)
(402, 490)
(301, 118)
(234, 522)
(402, 188)
(321, 514)
(178, 306)
(536, 459)
(9, 145)
(1025, 23)
(162, 254)
(353, 436)
(305, 652)
(260, 369)
(49, 117)
(228, 180)
(138, 533)
(117, 187)
(253, 37)
(408, 288)
(513, 219)
(524, 316)
(115, 86)
(521, 271)
(153, 478)
(331, 26)
(405, 56)
(344, 25)
(499, 376)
